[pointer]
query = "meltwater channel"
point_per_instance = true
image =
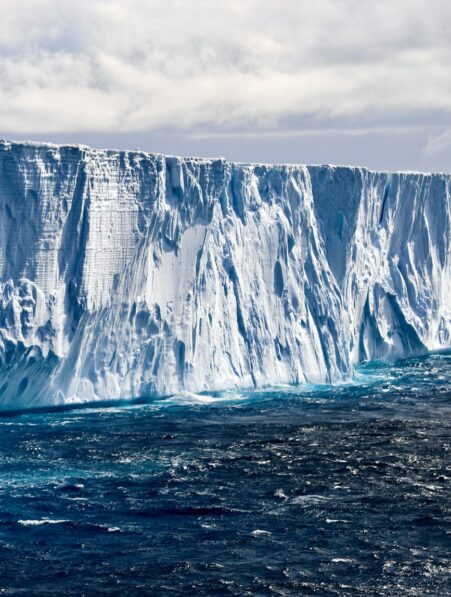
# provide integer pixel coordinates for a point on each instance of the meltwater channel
(302, 490)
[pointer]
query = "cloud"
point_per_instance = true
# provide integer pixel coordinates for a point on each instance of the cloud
(437, 143)
(209, 66)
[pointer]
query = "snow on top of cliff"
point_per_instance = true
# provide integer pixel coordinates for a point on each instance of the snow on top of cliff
(206, 160)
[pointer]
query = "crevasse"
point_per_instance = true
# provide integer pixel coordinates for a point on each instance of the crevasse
(126, 274)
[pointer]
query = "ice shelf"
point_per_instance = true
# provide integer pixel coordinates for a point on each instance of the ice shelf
(127, 274)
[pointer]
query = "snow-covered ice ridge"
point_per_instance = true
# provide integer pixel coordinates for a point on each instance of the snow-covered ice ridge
(126, 274)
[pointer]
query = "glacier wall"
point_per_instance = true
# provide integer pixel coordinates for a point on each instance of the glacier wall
(125, 274)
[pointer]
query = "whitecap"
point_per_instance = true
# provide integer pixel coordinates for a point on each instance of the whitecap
(306, 499)
(41, 521)
(186, 398)
(260, 533)
(280, 494)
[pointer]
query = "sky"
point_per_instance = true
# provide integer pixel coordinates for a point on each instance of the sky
(359, 82)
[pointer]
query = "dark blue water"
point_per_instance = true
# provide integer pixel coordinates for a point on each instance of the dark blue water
(311, 491)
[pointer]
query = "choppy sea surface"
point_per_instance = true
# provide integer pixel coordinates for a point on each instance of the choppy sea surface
(285, 491)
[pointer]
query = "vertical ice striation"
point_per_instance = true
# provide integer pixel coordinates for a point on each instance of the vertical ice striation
(126, 274)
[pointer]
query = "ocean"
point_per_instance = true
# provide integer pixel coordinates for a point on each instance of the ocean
(307, 490)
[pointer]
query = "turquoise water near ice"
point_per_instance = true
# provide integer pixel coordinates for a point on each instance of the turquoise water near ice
(323, 490)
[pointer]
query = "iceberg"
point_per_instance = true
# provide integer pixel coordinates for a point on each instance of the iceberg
(127, 274)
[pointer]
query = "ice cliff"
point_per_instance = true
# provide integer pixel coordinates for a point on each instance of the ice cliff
(125, 274)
